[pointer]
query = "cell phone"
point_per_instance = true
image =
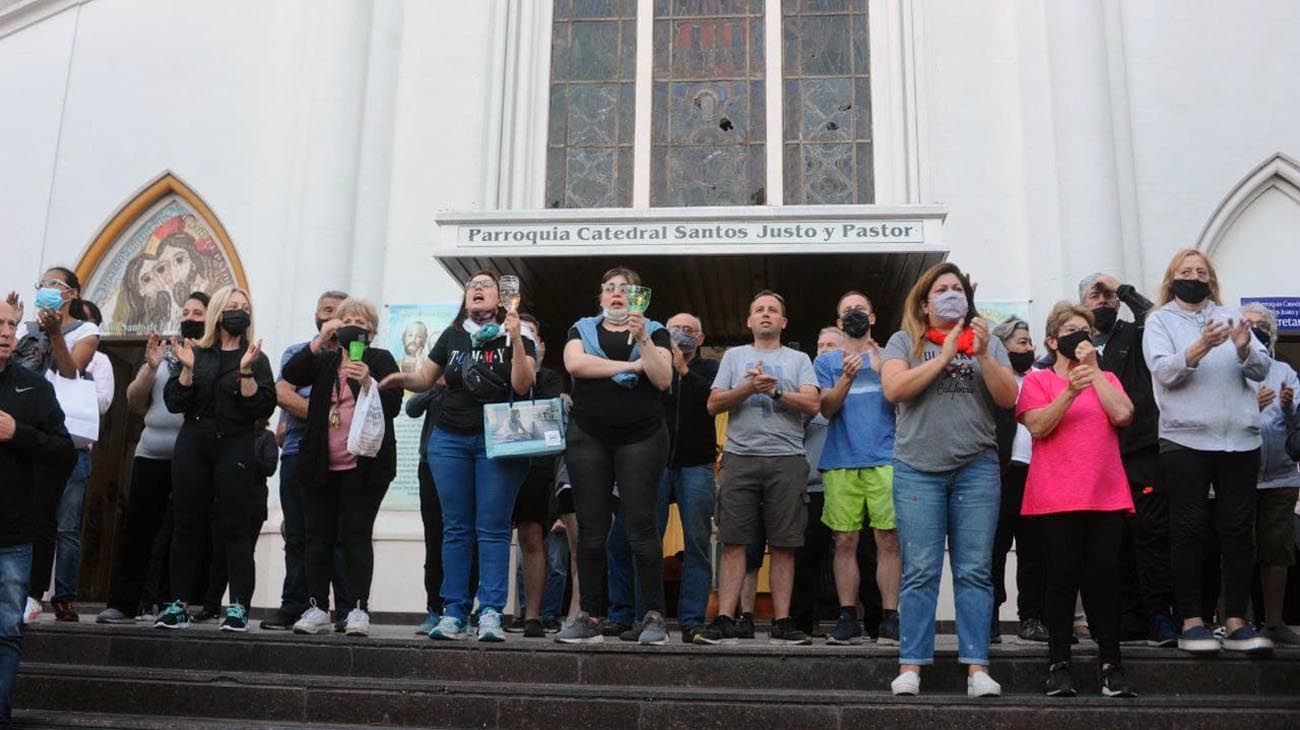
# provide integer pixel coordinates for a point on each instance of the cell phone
(356, 349)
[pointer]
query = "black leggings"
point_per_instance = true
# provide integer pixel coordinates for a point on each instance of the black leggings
(213, 478)
(342, 510)
(637, 468)
(1189, 474)
(146, 509)
(1083, 551)
(1031, 558)
(51, 479)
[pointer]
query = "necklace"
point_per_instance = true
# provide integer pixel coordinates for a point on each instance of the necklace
(336, 418)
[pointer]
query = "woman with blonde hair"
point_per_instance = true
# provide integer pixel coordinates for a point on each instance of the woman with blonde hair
(1203, 360)
(223, 386)
(342, 491)
(948, 376)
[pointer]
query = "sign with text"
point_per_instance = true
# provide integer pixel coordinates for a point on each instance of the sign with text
(1287, 310)
(660, 232)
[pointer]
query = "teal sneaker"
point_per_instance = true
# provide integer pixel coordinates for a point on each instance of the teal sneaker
(489, 626)
(174, 617)
(236, 619)
(450, 629)
(429, 622)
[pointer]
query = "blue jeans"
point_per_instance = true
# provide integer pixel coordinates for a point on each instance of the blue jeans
(67, 561)
(557, 574)
(694, 490)
(477, 495)
(959, 507)
(15, 567)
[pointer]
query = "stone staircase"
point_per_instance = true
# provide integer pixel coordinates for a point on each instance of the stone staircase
(82, 675)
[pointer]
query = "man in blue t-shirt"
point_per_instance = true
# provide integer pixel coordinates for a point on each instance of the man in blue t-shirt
(293, 424)
(857, 466)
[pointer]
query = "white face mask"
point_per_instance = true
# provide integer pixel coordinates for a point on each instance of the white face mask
(950, 306)
(616, 315)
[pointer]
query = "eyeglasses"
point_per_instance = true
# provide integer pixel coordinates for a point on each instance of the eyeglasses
(53, 284)
(683, 328)
(480, 284)
(610, 287)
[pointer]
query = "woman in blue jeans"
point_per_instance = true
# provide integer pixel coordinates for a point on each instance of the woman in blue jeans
(484, 355)
(947, 376)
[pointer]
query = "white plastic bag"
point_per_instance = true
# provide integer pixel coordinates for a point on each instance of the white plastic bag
(367, 432)
(80, 406)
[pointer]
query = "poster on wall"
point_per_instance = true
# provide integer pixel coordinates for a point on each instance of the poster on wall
(998, 311)
(153, 266)
(410, 333)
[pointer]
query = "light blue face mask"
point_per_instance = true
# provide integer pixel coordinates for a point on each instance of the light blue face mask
(48, 297)
(950, 306)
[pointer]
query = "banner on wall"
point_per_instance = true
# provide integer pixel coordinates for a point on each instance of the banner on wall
(1287, 310)
(410, 333)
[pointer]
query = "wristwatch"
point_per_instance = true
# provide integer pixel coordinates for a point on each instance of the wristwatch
(777, 393)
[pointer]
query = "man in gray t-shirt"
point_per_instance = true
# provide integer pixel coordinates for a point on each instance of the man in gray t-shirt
(767, 391)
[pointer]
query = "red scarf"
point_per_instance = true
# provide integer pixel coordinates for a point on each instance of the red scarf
(965, 340)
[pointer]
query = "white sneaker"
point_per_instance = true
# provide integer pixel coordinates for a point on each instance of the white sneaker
(908, 683)
(314, 621)
(358, 623)
(981, 684)
(33, 611)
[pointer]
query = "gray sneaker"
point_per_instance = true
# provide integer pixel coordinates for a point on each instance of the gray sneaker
(581, 629)
(653, 632)
(1283, 637)
(113, 616)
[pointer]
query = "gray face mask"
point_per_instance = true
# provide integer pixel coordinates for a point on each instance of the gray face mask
(685, 342)
(950, 306)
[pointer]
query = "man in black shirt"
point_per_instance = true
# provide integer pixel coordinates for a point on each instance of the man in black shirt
(1148, 584)
(31, 432)
(693, 448)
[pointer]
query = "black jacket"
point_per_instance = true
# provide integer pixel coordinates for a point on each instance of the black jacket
(39, 437)
(320, 371)
(1123, 357)
(213, 395)
(692, 438)
(427, 405)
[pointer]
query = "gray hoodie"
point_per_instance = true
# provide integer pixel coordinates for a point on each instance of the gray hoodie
(1276, 469)
(1210, 407)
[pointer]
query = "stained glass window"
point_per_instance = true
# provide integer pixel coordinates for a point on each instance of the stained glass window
(708, 112)
(593, 67)
(827, 99)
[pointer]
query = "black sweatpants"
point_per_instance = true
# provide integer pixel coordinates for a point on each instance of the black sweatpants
(213, 478)
(1082, 555)
(218, 579)
(146, 509)
(1031, 556)
(341, 511)
(51, 479)
(1189, 474)
(637, 468)
(1144, 563)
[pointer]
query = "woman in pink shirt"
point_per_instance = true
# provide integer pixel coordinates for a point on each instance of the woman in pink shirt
(1077, 490)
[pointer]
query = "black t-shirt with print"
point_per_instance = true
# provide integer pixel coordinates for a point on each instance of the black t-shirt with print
(607, 410)
(461, 411)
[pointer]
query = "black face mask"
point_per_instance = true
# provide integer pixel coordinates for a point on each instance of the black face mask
(1021, 361)
(1105, 318)
(192, 330)
(1192, 291)
(320, 323)
(855, 323)
(1067, 344)
(351, 333)
(1261, 334)
(235, 321)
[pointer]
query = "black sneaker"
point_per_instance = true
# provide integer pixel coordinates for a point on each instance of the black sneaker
(785, 632)
(341, 626)
(1031, 629)
(207, 614)
(534, 629)
(236, 619)
(174, 617)
(1059, 681)
(848, 631)
(551, 624)
(517, 626)
(688, 635)
(1115, 684)
(721, 630)
(745, 626)
(612, 629)
(280, 621)
(888, 629)
(632, 634)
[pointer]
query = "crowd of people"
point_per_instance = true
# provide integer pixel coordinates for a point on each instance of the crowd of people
(1144, 468)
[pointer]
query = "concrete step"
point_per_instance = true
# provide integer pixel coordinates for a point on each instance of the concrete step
(53, 720)
(332, 700)
(394, 653)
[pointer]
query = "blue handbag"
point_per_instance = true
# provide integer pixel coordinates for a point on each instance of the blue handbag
(524, 428)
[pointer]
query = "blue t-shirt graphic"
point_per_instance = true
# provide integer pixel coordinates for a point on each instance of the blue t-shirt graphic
(862, 433)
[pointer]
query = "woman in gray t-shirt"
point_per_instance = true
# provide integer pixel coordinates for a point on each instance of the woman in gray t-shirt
(947, 376)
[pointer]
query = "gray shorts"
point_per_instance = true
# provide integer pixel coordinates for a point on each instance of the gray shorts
(770, 486)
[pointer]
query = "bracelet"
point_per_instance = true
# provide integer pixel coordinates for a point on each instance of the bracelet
(243, 374)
